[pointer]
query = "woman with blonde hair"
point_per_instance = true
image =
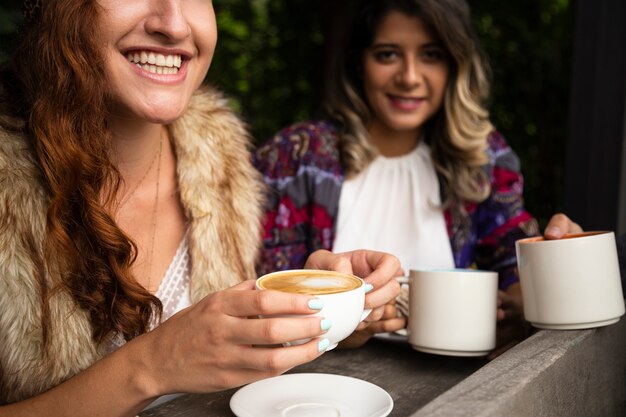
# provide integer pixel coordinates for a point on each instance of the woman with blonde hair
(406, 161)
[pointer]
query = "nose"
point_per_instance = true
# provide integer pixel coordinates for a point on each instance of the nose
(410, 74)
(168, 19)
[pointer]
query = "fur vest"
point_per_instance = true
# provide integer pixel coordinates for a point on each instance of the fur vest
(221, 193)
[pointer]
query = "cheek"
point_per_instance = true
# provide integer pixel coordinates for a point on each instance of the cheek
(373, 98)
(375, 76)
(206, 36)
(375, 82)
(203, 26)
(440, 83)
(205, 42)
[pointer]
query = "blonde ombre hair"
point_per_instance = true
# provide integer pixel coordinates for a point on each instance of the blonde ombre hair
(457, 133)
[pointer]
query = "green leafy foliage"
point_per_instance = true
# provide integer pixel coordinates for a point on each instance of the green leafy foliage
(10, 19)
(529, 45)
(269, 59)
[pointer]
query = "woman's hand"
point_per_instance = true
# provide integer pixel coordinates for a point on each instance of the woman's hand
(378, 269)
(390, 321)
(210, 346)
(559, 226)
(511, 328)
(215, 345)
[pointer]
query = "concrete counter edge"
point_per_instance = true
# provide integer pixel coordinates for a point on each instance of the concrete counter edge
(552, 373)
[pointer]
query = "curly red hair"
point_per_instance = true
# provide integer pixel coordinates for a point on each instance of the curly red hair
(60, 81)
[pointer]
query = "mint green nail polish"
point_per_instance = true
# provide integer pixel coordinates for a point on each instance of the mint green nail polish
(322, 345)
(325, 324)
(316, 304)
(368, 288)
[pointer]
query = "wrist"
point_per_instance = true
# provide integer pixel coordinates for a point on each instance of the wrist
(141, 366)
(515, 292)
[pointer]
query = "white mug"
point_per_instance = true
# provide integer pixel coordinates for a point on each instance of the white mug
(453, 311)
(570, 283)
(343, 306)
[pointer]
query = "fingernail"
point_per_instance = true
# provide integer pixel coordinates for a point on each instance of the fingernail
(322, 345)
(368, 288)
(316, 304)
(553, 231)
(325, 324)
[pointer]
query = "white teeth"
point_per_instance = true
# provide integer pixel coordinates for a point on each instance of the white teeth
(158, 70)
(156, 63)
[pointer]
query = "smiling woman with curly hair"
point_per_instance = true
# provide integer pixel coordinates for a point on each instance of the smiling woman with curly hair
(130, 217)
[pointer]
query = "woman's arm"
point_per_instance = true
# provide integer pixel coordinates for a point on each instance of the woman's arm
(117, 385)
(501, 220)
(301, 168)
(210, 346)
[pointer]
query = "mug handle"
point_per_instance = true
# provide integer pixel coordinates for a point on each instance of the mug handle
(403, 279)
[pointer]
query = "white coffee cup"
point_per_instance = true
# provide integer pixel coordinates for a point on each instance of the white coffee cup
(453, 311)
(343, 296)
(570, 283)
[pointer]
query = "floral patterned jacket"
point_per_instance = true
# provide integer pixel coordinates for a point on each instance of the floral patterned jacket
(302, 166)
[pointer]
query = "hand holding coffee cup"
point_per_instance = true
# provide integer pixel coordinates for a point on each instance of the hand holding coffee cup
(341, 296)
(570, 283)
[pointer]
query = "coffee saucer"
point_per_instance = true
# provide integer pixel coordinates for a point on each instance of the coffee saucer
(311, 395)
(448, 352)
(401, 336)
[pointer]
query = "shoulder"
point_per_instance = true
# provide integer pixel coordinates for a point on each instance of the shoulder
(18, 171)
(311, 144)
(305, 138)
(219, 189)
(11, 144)
(22, 225)
(23, 197)
(213, 143)
(500, 154)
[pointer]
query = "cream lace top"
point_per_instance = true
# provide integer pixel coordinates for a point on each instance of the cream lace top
(173, 292)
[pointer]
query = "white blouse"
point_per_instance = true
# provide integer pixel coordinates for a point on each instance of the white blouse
(394, 206)
(174, 291)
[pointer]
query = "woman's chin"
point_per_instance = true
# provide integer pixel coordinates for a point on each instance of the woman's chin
(162, 114)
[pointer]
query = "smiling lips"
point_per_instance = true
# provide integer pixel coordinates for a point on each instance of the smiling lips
(405, 103)
(155, 63)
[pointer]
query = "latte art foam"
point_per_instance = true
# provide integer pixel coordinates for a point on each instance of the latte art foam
(313, 284)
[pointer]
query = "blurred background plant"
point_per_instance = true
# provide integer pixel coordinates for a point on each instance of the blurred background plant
(272, 54)
(10, 18)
